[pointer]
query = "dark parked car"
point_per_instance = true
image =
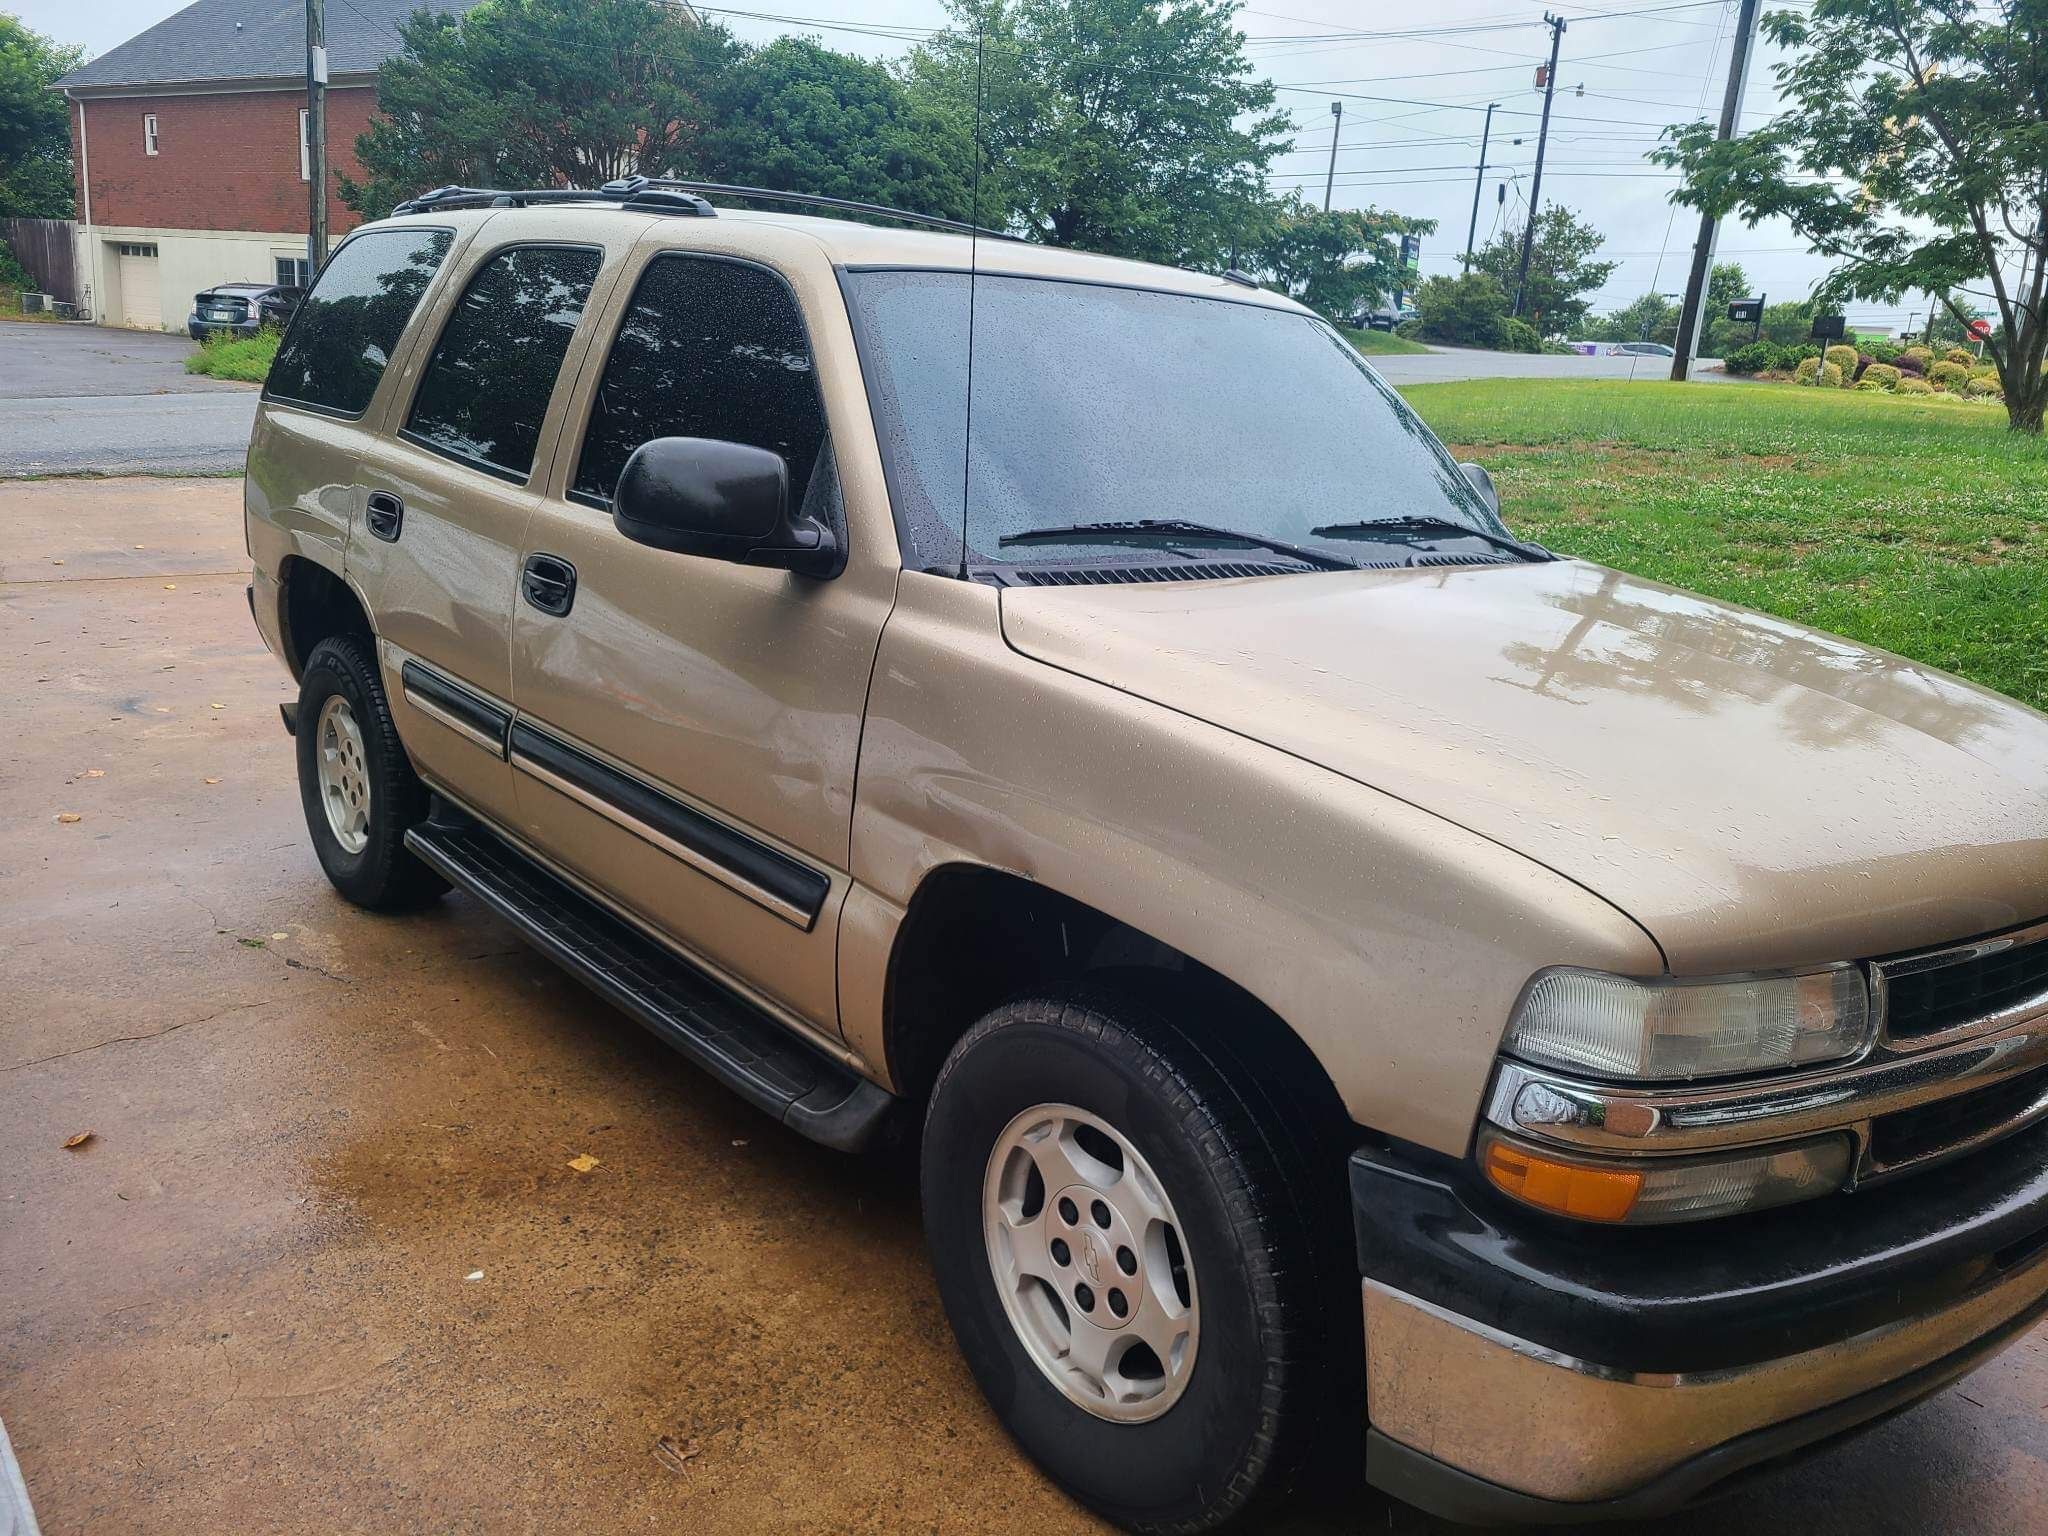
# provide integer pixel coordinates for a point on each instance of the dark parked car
(243, 308)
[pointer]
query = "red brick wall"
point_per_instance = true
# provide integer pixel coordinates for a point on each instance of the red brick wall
(226, 161)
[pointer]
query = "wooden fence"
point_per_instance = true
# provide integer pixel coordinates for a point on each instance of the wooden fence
(44, 246)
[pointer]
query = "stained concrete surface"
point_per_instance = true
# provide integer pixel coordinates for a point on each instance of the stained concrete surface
(324, 1265)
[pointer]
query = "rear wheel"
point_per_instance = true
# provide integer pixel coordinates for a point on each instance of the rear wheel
(1124, 1260)
(358, 787)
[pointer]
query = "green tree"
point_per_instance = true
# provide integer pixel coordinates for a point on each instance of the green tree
(1562, 273)
(1337, 262)
(802, 118)
(1650, 318)
(1726, 283)
(35, 134)
(1470, 309)
(1133, 127)
(539, 93)
(1911, 149)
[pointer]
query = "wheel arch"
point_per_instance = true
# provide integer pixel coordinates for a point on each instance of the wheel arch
(315, 603)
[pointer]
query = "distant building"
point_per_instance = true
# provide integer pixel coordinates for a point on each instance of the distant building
(188, 146)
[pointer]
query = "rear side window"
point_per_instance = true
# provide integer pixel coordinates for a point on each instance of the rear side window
(485, 391)
(708, 348)
(344, 334)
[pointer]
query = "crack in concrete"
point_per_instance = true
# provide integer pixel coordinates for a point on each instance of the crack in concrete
(155, 1034)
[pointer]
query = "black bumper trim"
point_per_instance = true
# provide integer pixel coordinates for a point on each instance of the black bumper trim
(1712, 1295)
(1417, 1478)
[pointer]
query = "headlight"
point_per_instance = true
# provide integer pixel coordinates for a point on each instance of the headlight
(1610, 1026)
(1655, 1190)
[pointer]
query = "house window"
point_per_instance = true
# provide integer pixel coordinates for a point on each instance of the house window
(305, 150)
(137, 250)
(149, 133)
(294, 272)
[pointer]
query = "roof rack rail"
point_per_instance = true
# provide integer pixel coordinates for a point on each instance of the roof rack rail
(634, 185)
(491, 197)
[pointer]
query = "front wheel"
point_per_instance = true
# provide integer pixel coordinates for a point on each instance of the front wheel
(358, 787)
(1120, 1244)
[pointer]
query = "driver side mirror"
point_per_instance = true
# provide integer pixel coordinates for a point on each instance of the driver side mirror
(723, 501)
(1482, 482)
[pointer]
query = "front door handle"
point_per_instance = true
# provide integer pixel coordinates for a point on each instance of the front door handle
(549, 583)
(385, 514)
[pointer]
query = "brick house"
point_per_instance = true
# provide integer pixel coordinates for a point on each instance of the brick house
(189, 151)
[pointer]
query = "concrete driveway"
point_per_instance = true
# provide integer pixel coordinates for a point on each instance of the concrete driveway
(324, 1263)
(89, 399)
(1444, 365)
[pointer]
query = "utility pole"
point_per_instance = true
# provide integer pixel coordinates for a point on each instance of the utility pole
(1556, 25)
(1485, 135)
(316, 135)
(1692, 319)
(1336, 133)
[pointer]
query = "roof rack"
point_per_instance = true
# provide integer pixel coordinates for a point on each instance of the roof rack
(668, 194)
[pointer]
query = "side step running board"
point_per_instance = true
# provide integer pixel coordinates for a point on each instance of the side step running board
(737, 1044)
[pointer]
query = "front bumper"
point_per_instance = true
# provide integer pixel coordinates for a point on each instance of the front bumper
(1524, 1369)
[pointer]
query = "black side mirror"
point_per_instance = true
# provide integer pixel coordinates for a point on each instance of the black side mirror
(723, 501)
(1482, 482)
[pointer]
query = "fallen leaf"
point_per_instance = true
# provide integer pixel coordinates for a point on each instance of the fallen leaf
(673, 1456)
(276, 936)
(56, 562)
(170, 586)
(68, 817)
(213, 781)
(474, 1274)
(81, 1139)
(584, 1163)
(216, 706)
(95, 773)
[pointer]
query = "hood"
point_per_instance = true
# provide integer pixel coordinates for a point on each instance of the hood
(1754, 793)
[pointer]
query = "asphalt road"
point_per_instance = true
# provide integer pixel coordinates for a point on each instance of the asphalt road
(88, 399)
(324, 1263)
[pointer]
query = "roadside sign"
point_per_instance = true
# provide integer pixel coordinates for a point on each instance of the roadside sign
(1829, 327)
(1981, 329)
(1748, 310)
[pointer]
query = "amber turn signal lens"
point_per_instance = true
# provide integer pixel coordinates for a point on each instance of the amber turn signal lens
(1570, 1189)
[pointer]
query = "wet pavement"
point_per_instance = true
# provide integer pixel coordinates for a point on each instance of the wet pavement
(324, 1263)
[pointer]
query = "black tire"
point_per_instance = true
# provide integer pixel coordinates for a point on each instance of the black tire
(383, 874)
(1266, 1368)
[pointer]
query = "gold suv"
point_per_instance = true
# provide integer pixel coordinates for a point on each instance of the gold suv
(1358, 979)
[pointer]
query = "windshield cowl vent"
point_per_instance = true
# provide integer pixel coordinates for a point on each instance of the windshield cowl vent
(1124, 575)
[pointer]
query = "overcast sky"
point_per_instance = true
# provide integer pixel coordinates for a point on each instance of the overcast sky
(1415, 92)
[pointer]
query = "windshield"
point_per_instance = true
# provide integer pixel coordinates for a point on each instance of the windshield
(1096, 404)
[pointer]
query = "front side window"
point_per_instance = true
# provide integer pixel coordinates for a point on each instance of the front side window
(485, 392)
(342, 338)
(1097, 405)
(708, 348)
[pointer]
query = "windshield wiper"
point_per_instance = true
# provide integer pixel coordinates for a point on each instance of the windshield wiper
(1167, 527)
(1370, 528)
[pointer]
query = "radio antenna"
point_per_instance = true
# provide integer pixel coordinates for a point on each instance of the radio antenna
(973, 264)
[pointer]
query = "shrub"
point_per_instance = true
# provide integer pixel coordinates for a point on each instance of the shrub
(1916, 359)
(1880, 349)
(1843, 358)
(1984, 371)
(1807, 369)
(1752, 359)
(1812, 369)
(1471, 309)
(1881, 376)
(1869, 385)
(1519, 336)
(1983, 389)
(12, 273)
(1961, 355)
(1948, 374)
(1910, 385)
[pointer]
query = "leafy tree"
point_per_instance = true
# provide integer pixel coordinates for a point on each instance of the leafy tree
(1470, 309)
(1726, 283)
(1134, 127)
(1562, 273)
(35, 133)
(1911, 149)
(1650, 318)
(802, 118)
(1790, 323)
(538, 93)
(1336, 262)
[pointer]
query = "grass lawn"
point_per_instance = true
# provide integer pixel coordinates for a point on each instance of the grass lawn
(1381, 343)
(1920, 527)
(247, 358)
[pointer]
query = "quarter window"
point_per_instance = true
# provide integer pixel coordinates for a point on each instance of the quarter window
(708, 348)
(344, 334)
(485, 391)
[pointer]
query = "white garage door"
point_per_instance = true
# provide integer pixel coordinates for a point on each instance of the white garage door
(141, 303)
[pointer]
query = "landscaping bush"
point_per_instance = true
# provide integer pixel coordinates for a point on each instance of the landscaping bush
(1470, 310)
(1843, 358)
(1870, 385)
(1752, 359)
(1983, 389)
(1879, 348)
(1916, 359)
(12, 273)
(1948, 374)
(1519, 336)
(1911, 385)
(1813, 369)
(1881, 376)
(1808, 368)
(1961, 355)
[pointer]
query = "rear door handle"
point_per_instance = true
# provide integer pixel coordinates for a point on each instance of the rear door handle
(549, 583)
(385, 514)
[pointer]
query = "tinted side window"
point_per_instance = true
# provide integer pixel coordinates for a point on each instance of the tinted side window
(343, 335)
(707, 348)
(486, 387)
